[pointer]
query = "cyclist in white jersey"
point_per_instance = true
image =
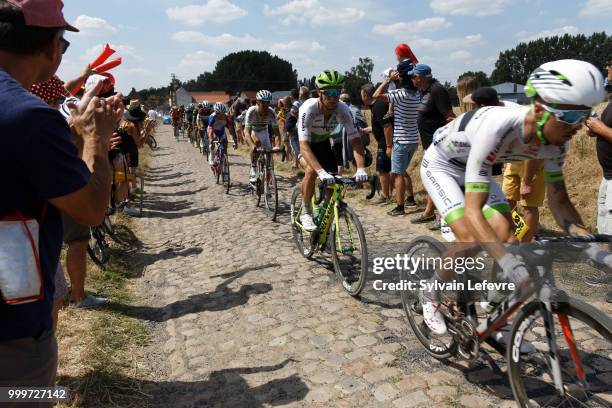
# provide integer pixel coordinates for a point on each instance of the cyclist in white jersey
(317, 117)
(464, 151)
(257, 120)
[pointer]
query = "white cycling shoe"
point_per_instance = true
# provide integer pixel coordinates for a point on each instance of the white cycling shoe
(502, 334)
(433, 317)
(253, 175)
(307, 222)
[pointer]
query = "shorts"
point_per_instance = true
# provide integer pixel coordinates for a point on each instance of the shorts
(325, 156)
(445, 184)
(383, 162)
(337, 149)
(264, 138)
(73, 231)
(61, 287)
(426, 140)
(511, 186)
(401, 156)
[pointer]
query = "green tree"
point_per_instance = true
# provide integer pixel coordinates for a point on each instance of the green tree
(248, 70)
(356, 77)
(516, 64)
(481, 78)
(452, 92)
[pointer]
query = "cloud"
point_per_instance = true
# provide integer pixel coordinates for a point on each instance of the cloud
(469, 7)
(223, 40)
(526, 37)
(456, 42)
(401, 29)
(313, 12)
(217, 11)
(125, 51)
(460, 55)
(92, 25)
(597, 8)
(293, 47)
(194, 64)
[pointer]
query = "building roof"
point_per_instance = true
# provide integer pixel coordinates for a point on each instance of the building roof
(211, 96)
(509, 88)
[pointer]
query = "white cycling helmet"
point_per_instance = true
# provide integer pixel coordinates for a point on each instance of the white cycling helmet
(567, 82)
(220, 107)
(206, 105)
(264, 96)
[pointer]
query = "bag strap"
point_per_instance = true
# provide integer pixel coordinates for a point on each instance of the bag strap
(466, 119)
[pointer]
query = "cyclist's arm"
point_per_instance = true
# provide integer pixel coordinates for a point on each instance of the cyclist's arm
(559, 203)
(211, 130)
(303, 124)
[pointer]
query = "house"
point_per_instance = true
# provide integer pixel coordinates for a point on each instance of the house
(509, 91)
(248, 94)
(211, 96)
(183, 97)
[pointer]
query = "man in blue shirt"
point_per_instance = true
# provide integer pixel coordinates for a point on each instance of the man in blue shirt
(41, 168)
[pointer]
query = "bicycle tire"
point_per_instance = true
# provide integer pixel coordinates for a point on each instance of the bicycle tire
(226, 172)
(108, 226)
(410, 299)
(347, 280)
(271, 199)
(97, 248)
(306, 248)
(580, 312)
(151, 142)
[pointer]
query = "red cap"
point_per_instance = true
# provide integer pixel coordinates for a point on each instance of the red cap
(43, 13)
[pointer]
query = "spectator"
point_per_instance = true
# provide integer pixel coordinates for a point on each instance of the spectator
(55, 179)
(602, 130)
(405, 132)
(434, 112)
(287, 102)
(360, 124)
(383, 162)
(152, 114)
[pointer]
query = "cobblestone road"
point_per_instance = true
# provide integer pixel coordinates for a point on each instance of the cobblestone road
(242, 320)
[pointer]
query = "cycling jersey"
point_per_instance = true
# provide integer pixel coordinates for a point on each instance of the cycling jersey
(258, 122)
(218, 125)
(462, 159)
(313, 128)
(189, 115)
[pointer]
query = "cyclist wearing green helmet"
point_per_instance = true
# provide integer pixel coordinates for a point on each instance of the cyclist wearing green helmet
(317, 119)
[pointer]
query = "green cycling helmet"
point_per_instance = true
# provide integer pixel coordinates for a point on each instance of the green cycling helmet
(329, 79)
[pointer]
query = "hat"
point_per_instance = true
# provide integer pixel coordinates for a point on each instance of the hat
(405, 68)
(93, 80)
(422, 70)
(485, 96)
(133, 112)
(50, 90)
(403, 51)
(43, 13)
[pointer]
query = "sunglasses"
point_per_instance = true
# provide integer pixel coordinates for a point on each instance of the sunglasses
(570, 117)
(64, 44)
(331, 92)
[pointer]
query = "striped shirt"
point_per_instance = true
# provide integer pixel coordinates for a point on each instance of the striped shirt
(405, 105)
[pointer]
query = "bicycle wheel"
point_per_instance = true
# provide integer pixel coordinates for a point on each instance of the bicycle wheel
(225, 169)
(349, 250)
(424, 247)
(97, 248)
(270, 194)
(304, 240)
(152, 142)
(531, 375)
(108, 226)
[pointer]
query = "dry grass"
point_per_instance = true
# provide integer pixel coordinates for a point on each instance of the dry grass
(101, 352)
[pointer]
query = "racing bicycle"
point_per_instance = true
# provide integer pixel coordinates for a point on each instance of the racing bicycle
(265, 186)
(569, 354)
(220, 164)
(337, 226)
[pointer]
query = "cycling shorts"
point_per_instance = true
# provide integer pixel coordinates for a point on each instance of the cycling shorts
(445, 184)
(325, 156)
(264, 138)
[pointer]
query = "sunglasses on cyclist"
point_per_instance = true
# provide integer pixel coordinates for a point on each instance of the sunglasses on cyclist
(331, 92)
(64, 44)
(570, 117)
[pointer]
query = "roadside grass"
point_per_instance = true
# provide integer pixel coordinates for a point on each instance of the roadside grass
(101, 352)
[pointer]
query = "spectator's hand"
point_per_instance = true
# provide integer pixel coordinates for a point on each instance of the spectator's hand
(87, 72)
(394, 76)
(596, 126)
(95, 118)
(526, 190)
(388, 151)
(115, 141)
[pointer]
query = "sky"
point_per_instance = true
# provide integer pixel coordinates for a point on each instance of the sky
(156, 38)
